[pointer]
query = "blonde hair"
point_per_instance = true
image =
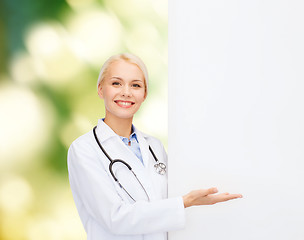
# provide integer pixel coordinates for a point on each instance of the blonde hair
(128, 57)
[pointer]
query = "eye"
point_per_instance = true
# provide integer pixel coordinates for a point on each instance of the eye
(115, 83)
(136, 85)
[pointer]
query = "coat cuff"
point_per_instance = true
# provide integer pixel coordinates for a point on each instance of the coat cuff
(176, 207)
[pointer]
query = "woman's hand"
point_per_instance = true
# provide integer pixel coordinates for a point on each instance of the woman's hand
(207, 197)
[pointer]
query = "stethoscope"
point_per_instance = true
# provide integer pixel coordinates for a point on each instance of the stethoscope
(159, 166)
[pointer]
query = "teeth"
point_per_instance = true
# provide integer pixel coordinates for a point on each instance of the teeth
(125, 103)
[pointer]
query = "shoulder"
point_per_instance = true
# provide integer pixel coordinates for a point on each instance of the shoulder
(84, 153)
(83, 139)
(83, 143)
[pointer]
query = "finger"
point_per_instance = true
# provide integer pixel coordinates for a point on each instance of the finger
(227, 196)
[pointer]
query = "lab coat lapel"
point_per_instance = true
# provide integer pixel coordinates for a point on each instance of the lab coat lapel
(144, 147)
(104, 132)
(139, 169)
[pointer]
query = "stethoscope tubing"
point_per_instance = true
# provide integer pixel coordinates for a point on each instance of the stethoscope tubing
(112, 162)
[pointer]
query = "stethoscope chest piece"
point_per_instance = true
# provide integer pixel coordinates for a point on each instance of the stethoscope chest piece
(160, 168)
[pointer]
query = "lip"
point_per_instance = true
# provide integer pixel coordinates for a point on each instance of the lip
(122, 103)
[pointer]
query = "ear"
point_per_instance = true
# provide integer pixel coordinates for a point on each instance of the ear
(145, 96)
(146, 90)
(100, 91)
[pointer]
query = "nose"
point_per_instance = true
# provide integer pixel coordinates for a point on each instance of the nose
(126, 91)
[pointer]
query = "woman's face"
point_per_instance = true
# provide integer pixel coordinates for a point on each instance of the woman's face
(123, 89)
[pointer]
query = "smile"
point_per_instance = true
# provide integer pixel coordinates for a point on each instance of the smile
(124, 104)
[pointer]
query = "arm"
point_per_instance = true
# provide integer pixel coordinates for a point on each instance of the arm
(99, 197)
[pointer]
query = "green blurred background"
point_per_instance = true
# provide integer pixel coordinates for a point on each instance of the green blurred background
(51, 54)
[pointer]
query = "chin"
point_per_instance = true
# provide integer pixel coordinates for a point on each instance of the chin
(124, 116)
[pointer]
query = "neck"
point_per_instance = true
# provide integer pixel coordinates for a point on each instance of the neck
(120, 126)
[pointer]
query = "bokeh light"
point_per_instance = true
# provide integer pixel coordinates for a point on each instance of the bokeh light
(24, 117)
(50, 44)
(98, 34)
(15, 194)
(52, 53)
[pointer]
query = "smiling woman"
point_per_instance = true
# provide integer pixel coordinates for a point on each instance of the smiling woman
(118, 174)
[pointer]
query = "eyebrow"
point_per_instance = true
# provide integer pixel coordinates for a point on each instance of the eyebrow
(132, 80)
(116, 78)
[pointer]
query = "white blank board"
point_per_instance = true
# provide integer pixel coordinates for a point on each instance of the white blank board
(236, 116)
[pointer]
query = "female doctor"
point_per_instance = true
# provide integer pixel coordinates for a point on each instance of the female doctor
(118, 174)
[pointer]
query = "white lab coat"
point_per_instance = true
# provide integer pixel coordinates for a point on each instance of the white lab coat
(106, 211)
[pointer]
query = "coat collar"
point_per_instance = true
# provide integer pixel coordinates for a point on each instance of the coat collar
(105, 132)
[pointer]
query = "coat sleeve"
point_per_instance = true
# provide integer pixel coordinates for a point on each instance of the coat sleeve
(96, 191)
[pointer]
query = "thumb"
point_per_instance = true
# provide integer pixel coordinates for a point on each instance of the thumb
(205, 192)
(211, 190)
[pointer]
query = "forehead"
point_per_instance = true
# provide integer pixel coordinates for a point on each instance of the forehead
(125, 70)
